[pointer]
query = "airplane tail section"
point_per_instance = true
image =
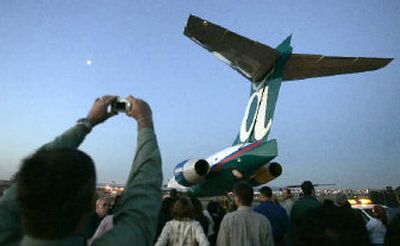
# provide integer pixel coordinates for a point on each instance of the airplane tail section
(266, 68)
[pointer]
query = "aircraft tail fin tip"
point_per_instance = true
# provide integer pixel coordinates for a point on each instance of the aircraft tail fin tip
(285, 46)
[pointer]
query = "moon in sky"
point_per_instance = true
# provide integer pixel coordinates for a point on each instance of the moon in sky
(88, 62)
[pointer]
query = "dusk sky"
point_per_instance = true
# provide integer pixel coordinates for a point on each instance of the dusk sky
(56, 57)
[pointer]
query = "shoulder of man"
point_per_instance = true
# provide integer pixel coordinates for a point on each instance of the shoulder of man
(263, 219)
(298, 203)
(280, 208)
(258, 207)
(259, 216)
(229, 216)
(315, 201)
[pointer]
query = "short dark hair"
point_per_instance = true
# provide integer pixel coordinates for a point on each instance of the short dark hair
(266, 191)
(173, 193)
(380, 214)
(197, 208)
(166, 205)
(55, 189)
(182, 209)
(244, 191)
(307, 187)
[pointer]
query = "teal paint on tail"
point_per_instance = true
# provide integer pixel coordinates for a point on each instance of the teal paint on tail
(257, 120)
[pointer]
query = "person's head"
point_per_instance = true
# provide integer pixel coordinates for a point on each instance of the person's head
(183, 209)
(173, 193)
(244, 193)
(307, 187)
(56, 192)
(341, 201)
(102, 206)
(117, 201)
(167, 205)
(286, 193)
(232, 206)
(274, 198)
(330, 226)
(380, 214)
(212, 207)
(197, 207)
(265, 193)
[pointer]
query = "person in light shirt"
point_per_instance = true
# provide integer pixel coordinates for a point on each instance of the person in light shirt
(377, 226)
(182, 230)
(288, 201)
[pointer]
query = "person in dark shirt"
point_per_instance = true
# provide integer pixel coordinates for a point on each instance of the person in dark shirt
(275, 214)
(392, 237)
(198, 214)
(217, 213)
(165, 215)
(307, 202)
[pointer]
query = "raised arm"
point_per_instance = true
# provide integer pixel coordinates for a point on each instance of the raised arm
(136, 218)
(74, 136)
(11, 231)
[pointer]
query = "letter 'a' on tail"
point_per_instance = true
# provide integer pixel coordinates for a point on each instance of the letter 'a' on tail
(266, 68)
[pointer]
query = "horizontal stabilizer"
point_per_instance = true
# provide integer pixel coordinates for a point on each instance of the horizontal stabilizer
(250, 58)
(303, 66)
(255, 60)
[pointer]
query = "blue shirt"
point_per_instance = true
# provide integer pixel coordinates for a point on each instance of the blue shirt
(276, 215)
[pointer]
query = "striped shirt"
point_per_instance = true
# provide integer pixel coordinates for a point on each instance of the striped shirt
(182, 233)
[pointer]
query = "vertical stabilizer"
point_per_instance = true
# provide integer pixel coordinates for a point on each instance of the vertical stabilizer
(258, 116)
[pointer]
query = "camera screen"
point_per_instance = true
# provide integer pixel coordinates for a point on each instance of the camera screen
(120, 105)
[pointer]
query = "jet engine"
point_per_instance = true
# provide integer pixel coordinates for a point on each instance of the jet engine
(191, 172)
(266, 173)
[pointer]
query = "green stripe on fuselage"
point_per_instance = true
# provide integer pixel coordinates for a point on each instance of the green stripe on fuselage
(221, 179)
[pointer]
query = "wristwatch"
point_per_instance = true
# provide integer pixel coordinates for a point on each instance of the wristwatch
(86, 123)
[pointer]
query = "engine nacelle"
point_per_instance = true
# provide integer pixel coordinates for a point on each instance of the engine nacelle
(266, 173)
(191, 172)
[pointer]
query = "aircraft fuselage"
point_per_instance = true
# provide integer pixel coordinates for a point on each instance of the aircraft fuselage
(232, 164)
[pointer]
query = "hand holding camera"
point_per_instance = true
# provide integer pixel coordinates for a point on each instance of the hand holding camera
(108, 106)
(141, 111)
(99, 111)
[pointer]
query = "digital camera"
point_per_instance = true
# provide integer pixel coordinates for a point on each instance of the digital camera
(121, 105)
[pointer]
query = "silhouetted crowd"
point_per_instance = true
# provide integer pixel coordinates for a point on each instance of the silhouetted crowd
(305, 221)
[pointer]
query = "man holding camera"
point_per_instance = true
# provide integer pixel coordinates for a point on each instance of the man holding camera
(54, 193)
